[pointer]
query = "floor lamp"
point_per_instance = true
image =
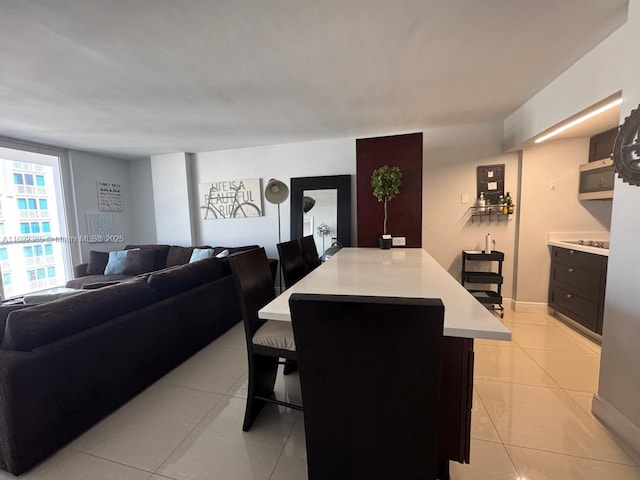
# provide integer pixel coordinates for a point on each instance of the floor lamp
(277, 192)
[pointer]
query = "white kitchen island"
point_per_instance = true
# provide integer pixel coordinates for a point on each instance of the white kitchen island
(397, 272)
(412, 272)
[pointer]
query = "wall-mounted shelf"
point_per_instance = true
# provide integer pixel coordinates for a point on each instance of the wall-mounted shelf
(491, 212)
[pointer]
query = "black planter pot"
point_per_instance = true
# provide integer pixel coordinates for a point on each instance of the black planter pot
(385, 243)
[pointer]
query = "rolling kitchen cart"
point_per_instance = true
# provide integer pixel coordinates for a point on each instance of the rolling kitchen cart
(491, 297)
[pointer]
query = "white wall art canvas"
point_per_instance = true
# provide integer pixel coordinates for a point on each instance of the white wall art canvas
(240, 198)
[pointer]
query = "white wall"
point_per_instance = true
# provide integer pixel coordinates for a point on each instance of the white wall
(544, 210)
(143, 229)
(620, 364)
(451, 156)
(171, 178)
(86, 170)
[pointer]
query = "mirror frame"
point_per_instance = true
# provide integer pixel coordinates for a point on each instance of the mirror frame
(341, 183)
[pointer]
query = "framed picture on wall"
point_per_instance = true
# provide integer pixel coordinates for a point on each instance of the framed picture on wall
(240, 198)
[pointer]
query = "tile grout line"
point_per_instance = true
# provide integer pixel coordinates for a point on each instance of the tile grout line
(284, 444)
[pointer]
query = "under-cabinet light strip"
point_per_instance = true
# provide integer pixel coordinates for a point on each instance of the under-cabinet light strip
(578, 120)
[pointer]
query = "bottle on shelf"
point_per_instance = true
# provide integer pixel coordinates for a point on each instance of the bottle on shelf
(509, 203)
(502, 206)
(481, 203)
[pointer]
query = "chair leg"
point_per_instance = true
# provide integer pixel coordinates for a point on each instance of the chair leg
(290, 366)
(262, 379)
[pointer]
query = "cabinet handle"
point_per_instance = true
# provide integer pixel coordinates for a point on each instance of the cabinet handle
(571, 270)
(571, 252)
(569, 295)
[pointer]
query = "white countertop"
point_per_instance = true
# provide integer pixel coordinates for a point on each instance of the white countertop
(563, 239)
(397, 272)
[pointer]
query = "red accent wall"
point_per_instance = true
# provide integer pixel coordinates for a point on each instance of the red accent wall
(404, 218)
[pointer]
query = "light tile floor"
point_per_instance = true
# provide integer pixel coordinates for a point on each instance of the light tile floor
(531, 419)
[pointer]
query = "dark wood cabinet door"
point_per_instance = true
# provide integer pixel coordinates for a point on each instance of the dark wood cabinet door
(601, 145)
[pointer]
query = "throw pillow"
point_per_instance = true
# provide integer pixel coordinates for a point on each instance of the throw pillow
(200, 254)
(97, 262)
(223, 254)
(115, 265)
(139, 261)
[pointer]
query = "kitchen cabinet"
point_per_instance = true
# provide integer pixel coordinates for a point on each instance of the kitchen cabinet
(491, 297)
(576, 286)
(601, 145)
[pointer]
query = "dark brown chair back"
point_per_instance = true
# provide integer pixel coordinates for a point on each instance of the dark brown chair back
(291, 262)
(254, 284)
(370, 378)
(309, 253)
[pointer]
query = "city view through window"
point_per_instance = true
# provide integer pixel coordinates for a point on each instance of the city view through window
(32, 247)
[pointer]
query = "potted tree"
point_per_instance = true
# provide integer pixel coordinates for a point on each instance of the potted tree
(386, 185)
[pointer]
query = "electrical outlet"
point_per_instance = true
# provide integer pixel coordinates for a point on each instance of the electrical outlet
(464, 198)
(398, 241)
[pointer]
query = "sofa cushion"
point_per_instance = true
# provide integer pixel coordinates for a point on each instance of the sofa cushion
(97, 262)
(139, 261)
(80, 281)
(95, 285)
(42, 324)
(5, 310)
(201, 254)
(178, 279)
(115, 265)
(161, 254)
(180, 255)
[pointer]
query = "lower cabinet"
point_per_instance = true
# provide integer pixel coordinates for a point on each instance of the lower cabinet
(576, 286)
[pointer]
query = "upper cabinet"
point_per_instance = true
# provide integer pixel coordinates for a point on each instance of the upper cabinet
(601, 145)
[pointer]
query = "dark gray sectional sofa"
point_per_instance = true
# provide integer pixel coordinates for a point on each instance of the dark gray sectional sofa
(149, 258)
(68, 363)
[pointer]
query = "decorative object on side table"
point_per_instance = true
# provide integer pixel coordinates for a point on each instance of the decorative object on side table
(626, 149)
(386, 183)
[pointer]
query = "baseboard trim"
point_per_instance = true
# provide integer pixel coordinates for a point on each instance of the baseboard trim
(576, 326)
(530, 307)
(621, 426)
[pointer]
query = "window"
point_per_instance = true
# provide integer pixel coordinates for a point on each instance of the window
(6, 279)
(3, 254)
(36, 211)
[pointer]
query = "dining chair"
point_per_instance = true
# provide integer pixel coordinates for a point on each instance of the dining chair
(267, 340)
(291, 262)
(309, 253)
(370, 379)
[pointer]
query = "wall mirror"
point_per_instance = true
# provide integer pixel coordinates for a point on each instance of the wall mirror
(322, 206)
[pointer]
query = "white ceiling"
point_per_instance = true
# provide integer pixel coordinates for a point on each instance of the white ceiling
(132, 78)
